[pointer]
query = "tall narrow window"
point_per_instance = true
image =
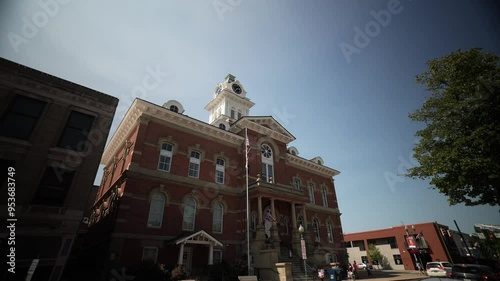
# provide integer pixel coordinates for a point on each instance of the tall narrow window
(219, 171)
(285, 222)
(267, 163)
(165, 157)
(53, 187)
(232, 113)
(74, 135)
(189, 214)
(156, 208)
(329, 231)
(300, 221)
(239, 114)
(296, 184)
(316, 230)
(218, 218)
(325, 198)
(194, 164)
(310, 186)
(217, 256)
(21, 117)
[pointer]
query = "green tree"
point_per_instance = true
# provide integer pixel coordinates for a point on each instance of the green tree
(459, 148)
(375, 254)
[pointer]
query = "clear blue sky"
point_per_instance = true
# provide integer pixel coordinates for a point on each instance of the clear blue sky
(352, 110)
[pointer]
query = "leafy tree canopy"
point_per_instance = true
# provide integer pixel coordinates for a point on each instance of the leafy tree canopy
(460, 146)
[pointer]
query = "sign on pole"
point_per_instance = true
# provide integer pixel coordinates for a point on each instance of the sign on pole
(411, 241)
(303, 246)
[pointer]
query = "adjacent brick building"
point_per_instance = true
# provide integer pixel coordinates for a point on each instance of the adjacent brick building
(404, 246)
(52, 132)
(174, 190)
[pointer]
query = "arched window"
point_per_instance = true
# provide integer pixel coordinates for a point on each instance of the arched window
(222, 126)
(189, 214)
(174, 108)
(253, 222)
(165, 157)
(324, 195)
(310, 187)
(316, 230)
(296, 184)
(300, 221)
(267, 163)
(194, 164)
(218, 214)
(219, 171)
(329, 231)
(156, 207)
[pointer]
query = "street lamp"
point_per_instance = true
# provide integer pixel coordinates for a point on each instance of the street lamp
(303, 247)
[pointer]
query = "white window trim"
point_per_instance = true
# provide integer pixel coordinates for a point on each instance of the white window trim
(196, 161)
(165, 153)
(222, 169)
(156, 253)
(151, 210)
(269, 164)
(324, 194)
(221, 218)
(220, 251)
(317, 237)
(310, 187)
(194, 215)
(329, 230)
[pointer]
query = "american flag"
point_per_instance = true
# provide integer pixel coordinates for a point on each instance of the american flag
(418, 235)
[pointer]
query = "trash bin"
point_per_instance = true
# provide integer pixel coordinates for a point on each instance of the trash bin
(332, 274)
(338, 274)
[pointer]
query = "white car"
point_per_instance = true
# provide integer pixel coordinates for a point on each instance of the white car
(438, 268)
(362, 266)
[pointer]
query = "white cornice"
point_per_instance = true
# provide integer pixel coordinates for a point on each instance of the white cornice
(145, 109)
(226, 95)
(310, 165)
(257, 124)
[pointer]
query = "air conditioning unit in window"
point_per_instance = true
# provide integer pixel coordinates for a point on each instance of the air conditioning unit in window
(85, 220)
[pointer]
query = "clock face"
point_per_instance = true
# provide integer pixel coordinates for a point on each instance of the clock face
(237, 88)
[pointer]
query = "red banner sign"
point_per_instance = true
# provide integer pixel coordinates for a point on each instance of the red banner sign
(303, 246)
(411, 241)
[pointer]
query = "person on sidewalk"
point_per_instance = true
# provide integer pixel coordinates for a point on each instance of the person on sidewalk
(369, 270)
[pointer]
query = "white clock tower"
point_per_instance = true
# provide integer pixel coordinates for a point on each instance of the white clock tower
(229, 103)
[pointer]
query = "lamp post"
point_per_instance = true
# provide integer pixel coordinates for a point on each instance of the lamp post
(303, 247)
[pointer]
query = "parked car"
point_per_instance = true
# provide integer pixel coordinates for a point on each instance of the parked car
(470, 272)
(438, 268)
(362, 266)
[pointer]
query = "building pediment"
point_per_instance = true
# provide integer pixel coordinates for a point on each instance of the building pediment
(265, 125)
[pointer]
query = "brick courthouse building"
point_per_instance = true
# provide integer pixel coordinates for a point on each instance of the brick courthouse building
(174, 190)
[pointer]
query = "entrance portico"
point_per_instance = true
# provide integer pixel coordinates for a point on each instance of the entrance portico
(198, 238)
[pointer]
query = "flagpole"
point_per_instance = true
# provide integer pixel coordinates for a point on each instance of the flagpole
(247, 147)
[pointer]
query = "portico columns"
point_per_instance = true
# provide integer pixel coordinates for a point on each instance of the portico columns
(181, 254)
(259, 211)
(211, 254)
(294, 217)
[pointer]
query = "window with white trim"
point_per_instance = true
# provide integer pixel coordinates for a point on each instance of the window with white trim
(165, 157)
(194, 164)
(232, 113)
(219, 171)
(325, 198)
(189, 214)
(267, 163)
(296, 184)
(310, 187)
(300, 221)
(150, 253)
(316, 230)
(156, 208)
(218, 216)
(329, 231)
(217, 256)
